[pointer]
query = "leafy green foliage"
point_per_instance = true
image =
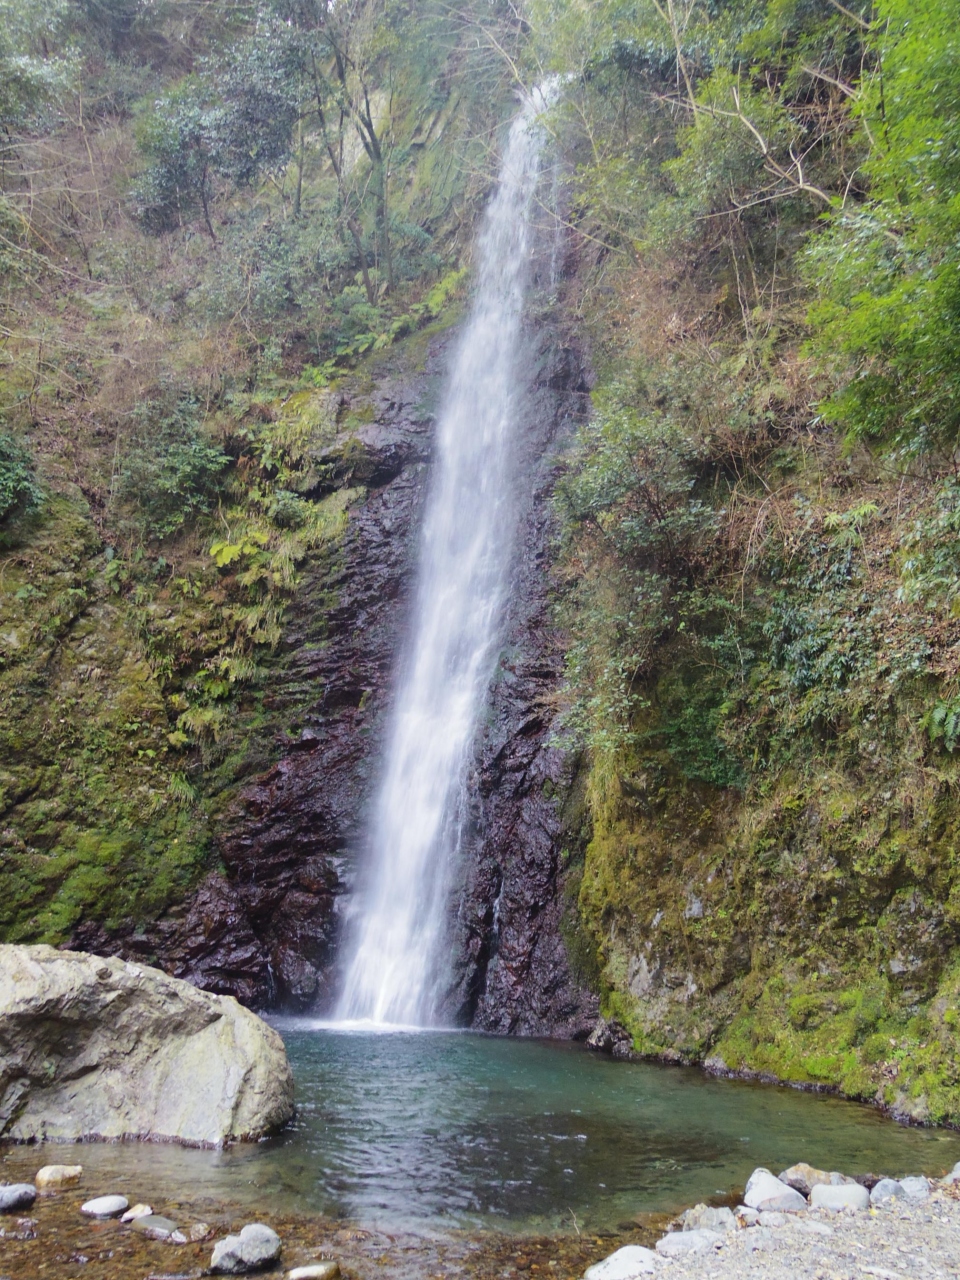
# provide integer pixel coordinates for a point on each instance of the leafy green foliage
(30, 76)
(20, 494)
(178, 136)
(889, 268)
(171, 472)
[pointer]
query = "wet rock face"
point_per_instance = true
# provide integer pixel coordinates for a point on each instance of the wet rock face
(289, 837)
(513, 974)
(267, 928)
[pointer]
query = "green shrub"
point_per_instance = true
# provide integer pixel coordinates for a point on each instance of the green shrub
(20, 495)
(171, 472)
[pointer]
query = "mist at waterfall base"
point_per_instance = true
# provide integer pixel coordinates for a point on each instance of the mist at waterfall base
(394, 973)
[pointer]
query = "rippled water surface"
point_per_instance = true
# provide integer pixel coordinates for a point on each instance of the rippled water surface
(437, 1130)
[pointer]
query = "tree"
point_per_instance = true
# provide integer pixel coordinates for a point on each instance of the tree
(180, 137)
(889, 267)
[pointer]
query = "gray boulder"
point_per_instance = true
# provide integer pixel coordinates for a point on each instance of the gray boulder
(804, 1177)
(773, 1218)
(98, 1048)
(764, 1191)
(915, 1188)
(256, 1246)
(628, 1263)
(886, 1189)
(848, 1195)
(702, 1216)
(678, 1243)
(16, 1195)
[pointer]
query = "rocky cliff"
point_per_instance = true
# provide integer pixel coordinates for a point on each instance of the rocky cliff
(265, 927)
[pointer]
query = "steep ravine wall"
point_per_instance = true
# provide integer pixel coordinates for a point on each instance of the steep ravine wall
(266, 926)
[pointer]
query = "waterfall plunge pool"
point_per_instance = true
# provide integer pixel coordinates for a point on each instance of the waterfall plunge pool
(431, 1131)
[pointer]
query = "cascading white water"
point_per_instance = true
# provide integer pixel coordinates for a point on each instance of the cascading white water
(465, 558)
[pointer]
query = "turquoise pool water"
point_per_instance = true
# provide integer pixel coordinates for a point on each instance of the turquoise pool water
(436, 1130)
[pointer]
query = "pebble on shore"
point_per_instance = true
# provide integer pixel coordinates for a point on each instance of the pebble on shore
(138, 1211)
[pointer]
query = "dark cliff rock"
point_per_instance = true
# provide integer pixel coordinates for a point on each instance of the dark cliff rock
(513, 973)
(265, 928)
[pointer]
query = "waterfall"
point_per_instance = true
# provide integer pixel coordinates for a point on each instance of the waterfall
(395, 965)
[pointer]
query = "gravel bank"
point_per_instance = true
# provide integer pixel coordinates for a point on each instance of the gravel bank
(897, 1240)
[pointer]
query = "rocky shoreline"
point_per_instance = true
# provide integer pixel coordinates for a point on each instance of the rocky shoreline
(806, 1224)
(809, 1225)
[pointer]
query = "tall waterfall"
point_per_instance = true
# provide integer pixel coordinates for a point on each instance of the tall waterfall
(395, 966)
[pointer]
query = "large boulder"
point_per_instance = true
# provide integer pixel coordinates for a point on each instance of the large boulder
(99, 1048)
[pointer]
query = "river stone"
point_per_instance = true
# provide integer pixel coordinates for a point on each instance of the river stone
(138, 1211)
(764, 1191)
(105, 1206)
(254, 1247)
(16, 1195)
(630, 1261)
(773, 1218)
(156, 1226)
(702, 1215)
(886, 1189)
(804, 1177)
(849, 1195)
(53, 1176)
(954, 1174)
(915, 1188)
(319, 1271)
(680, 1242)
(97, 1048)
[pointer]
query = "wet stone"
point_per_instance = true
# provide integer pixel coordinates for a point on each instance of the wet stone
(54, 1176)
(105, 1206)
(154, 1225)
(254, 1247)
(315, 1271)
(16, 1195)
(138, 1211)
